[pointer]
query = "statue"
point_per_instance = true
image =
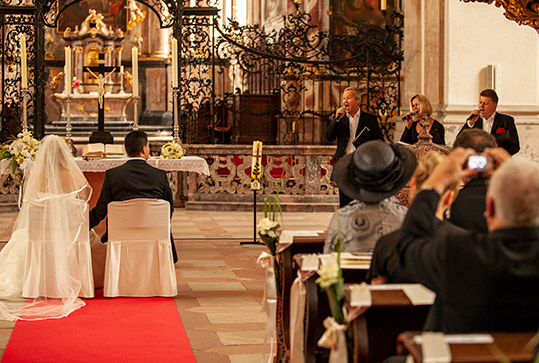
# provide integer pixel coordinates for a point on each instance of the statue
(136, 16)
(94, 18)
(100, 85)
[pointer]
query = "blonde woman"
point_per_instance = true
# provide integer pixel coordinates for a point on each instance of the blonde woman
(420, 106)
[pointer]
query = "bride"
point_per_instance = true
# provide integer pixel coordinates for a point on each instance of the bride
(45, 266)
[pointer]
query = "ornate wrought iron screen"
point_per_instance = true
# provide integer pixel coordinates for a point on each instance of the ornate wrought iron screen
(242, 83)
(14, 21)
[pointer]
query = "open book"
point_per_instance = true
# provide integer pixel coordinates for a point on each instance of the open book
(99, 150)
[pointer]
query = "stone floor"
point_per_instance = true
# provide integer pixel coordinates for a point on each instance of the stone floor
(219, 282)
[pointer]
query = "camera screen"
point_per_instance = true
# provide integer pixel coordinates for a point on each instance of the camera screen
(477, 162)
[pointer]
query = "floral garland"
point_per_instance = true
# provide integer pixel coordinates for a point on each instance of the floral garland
(19, 151)
(172, 150)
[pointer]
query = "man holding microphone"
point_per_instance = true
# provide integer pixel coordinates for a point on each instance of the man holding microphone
(351, 127)
(501, 126)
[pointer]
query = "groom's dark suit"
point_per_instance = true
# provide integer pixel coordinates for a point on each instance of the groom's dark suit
(503, 129)
(134, 179)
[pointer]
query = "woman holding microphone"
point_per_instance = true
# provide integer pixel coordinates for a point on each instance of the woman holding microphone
(421, 107)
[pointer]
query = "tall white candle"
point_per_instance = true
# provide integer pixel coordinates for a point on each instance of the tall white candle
(67, 70)
(24, 69)
(383, 5)
(134, 60)
(174, 62)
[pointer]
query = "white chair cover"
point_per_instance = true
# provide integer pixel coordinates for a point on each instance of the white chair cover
(48, 252)
(139, 258)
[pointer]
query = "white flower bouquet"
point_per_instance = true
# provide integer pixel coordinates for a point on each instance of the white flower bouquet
(172, 150)
(22, 149)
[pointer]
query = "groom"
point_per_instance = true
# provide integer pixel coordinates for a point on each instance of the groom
(134, 179)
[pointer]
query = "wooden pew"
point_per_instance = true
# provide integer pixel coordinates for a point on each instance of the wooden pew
(375, 330)
(514, 347)
(288, 272)
(317, 308)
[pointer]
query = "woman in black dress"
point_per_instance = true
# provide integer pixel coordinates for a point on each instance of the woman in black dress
(420, 106)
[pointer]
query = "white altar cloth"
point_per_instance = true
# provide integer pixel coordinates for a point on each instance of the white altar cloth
(187, 163)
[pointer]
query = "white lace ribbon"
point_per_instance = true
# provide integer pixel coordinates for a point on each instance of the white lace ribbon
(297, 316)
(334, 339)
(269, 304)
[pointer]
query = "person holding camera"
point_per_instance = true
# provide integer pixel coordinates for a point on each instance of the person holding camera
(483, 282)
(501, 126)
(421, 108)
(467, 211)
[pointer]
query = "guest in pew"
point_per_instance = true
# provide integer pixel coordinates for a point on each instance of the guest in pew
(501, 126)
(421, 107)
(48, 227)
(134, 179)
(467, 211)
(483, 282)
(372, 175)
(350, 120)
(385, 267)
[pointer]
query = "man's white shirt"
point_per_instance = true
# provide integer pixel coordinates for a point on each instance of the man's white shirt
(353, 121)
(487, 123)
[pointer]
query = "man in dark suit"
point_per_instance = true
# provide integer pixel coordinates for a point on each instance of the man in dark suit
(134, 179)
(467, 210)
(483, 282)
(350, 120)
(501, 126)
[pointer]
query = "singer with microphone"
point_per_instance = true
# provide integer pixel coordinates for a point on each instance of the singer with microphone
(420, 106)
(351, 127)
(501, 126)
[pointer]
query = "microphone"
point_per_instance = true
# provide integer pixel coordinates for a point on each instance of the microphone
(413, 113)
(471, 117)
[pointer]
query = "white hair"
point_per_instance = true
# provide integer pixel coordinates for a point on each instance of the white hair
(514, 187)
(357, 95)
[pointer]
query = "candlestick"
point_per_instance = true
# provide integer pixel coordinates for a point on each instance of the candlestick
(24, 108)
(383, 5)
(122, 79)
(135, 113)
(174, 62)
(68, 126)
(134, 60)
(67, 70)
(24, 69)
(176, 132)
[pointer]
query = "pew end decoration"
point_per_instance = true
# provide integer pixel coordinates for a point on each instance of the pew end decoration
(331, 281)
(172, 150)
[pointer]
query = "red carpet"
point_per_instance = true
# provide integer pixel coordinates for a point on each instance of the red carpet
(105, 330)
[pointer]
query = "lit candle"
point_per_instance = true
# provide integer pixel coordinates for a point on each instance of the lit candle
(67, 70)
(383, 5)
(257, 148)
(24, 70)
(134, 60)
(174, 63)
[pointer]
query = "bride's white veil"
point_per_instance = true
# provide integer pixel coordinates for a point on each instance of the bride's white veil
(52, 219)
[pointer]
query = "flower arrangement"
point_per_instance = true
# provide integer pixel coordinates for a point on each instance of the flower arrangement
(331, 281)
(75, 84)
(172, 150)
(20, 150)
(268, 228)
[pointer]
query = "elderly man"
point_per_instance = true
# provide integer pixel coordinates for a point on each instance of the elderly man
(372, 175)
(501, 126)
(483, 282)
(351, 127)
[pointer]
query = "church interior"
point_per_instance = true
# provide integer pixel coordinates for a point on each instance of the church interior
(248, 89)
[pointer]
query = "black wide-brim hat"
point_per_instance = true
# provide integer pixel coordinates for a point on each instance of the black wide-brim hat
(374, 171)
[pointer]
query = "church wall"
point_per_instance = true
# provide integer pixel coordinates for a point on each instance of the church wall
(447, 48)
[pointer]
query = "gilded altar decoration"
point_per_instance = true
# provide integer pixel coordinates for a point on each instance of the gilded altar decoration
(524, 12)
(136, 15)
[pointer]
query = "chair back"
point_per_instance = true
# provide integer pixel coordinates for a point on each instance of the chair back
(139, 256)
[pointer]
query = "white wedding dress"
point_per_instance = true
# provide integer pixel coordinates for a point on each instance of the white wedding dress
(40, 273)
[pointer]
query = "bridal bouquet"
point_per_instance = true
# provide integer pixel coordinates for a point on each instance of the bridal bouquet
(172, 150)
(20, 150)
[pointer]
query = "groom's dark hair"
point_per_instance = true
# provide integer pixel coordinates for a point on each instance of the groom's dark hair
(134, 142)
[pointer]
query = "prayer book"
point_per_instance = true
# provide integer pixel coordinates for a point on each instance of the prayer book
(99, 150)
